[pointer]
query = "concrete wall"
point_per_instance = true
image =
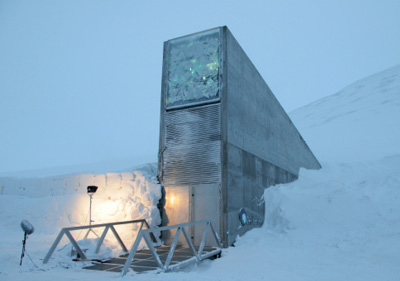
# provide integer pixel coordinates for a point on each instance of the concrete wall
(261, 146)
(256, 122)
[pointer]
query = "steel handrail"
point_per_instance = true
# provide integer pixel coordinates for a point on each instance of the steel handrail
(67, 232)
(181, 228)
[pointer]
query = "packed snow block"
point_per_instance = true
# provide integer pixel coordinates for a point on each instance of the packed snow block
(224, 137)
(62, 201)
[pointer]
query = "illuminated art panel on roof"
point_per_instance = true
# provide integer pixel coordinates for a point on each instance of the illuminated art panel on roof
(193, 69)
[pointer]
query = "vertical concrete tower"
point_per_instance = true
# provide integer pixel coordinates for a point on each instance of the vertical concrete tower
(224, 137)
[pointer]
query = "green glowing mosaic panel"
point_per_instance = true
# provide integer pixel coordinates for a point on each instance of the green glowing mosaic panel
(193, 69)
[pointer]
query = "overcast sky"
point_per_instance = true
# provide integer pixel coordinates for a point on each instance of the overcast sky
(80, 80)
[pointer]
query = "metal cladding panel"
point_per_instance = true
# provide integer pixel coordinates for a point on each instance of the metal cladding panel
(192, 146)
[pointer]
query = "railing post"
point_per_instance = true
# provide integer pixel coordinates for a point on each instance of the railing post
(131, 254)
(203, 239)
(76, 246)
(153, 237)
(153, 251)
(118, 239)
(190, 244)
(103, 235)
(53, 247)
(173, 246)
(218, 240)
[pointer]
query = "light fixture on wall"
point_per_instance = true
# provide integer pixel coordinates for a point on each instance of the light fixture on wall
(249, 217)
(243, 217)
(91, 189)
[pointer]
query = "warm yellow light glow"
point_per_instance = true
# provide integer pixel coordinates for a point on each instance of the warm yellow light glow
(106, 208)
(172, 199)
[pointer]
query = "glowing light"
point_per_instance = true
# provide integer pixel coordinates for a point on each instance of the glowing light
(172, 199)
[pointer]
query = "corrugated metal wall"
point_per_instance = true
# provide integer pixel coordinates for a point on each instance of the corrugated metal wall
(192, 146)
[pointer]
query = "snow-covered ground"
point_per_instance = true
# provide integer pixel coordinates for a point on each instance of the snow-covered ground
(339, 223)
(360, 122)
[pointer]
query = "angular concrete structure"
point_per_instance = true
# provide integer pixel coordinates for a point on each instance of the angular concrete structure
(224, 137)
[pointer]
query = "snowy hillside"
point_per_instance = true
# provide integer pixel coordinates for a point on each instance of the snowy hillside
(339, 223)
(360, 122)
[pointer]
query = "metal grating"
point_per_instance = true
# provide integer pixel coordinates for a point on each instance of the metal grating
(144, 261)
(193, 146)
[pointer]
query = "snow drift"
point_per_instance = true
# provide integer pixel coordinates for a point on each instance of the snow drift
(51, 203)
(56, 202)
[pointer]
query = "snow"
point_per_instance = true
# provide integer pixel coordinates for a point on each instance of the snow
(339, 223)
(51, 203)
(360, 122)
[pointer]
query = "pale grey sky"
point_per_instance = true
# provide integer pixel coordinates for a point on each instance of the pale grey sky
(80, 80)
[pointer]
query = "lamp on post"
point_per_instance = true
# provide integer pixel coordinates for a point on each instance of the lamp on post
(91, 189)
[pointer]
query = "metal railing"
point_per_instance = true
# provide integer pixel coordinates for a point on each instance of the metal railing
(107, 226)
(198, 255)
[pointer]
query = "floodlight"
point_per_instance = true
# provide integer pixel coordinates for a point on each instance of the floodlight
(91, 189)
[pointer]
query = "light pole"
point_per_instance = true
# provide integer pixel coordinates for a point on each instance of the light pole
(91, 189)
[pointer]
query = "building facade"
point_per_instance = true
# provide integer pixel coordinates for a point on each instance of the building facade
(224, 137)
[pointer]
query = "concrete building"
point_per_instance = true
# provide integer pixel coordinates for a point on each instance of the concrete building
(224, 137)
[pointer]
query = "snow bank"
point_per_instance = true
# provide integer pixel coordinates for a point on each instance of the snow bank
(359, 198)
(56, 202)
(339, 223)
